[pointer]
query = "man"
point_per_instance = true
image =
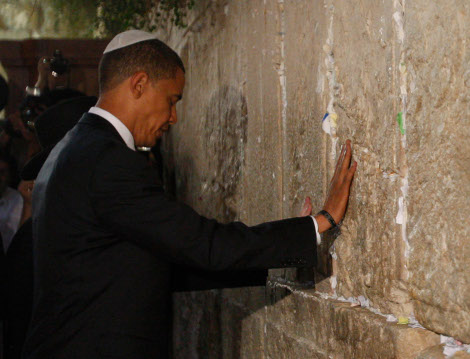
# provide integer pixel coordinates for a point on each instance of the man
(104, 228)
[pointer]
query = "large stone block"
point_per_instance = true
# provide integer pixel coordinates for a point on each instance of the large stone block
(303, 31)
(196, 325)
(280, 345)
(223, 156)
(438, 155)
(263, 181)
(370, 252)
(433, 352)
(227, 323)
(339, 330)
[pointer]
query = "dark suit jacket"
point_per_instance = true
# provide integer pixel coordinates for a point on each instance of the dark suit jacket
(18, 291)
(104, 231)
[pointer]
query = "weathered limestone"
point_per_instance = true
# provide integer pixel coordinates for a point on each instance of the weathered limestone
(395, 74)
(433, 352)
(370, 251)
(439, 165)
(293, 325)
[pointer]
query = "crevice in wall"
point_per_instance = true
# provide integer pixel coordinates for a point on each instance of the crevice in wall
(402, 215)
(281, 71)
(329, 123)
(451, 345)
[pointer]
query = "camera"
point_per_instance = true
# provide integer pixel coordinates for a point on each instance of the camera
(58, 64)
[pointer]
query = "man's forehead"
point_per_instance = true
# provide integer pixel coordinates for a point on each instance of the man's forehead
(180, 79)
(173, 85)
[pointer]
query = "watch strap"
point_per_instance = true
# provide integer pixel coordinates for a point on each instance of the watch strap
(329, 218)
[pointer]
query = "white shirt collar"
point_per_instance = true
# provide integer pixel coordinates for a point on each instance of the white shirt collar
(117, 124)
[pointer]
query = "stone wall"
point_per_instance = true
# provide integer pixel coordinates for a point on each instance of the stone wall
(249, 146)
(394, 76)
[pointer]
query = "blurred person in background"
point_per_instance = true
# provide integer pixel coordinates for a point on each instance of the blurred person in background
(50, 127)
(17, 129)
(11, 202)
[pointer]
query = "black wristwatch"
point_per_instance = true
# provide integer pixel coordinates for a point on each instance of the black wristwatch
(329, 218)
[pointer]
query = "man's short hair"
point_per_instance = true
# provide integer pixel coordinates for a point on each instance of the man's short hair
(154, 57)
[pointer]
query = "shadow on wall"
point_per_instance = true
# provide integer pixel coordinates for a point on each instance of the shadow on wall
(208, 321)
(223, 135)
(224, 138)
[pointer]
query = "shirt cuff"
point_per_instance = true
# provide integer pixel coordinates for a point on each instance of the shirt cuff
(316, 230)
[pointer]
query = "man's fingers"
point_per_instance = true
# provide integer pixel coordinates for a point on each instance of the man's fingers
(351, 171)
(347, 157)
(338, 169)
(344, 172)
(338, 164)
(306, 208)
(344, 160)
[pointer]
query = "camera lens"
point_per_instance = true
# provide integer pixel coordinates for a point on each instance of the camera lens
(58, 64)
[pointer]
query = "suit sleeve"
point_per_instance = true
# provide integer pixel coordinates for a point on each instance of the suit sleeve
(129, 202)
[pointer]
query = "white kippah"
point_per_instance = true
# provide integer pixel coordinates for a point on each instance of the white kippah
(127, 38)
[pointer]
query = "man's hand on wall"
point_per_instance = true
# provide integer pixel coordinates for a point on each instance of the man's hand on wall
(338, 193)
(307, 208)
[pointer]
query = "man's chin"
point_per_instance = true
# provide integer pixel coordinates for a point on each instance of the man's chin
(158, 136)
(146, 144)
(152, 142)
(160, 133)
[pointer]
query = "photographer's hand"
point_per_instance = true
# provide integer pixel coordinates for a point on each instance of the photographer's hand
(43, 73)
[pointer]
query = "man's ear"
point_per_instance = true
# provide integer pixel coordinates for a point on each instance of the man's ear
(138, 82)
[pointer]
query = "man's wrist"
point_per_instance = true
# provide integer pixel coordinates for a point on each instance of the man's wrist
(323, 223)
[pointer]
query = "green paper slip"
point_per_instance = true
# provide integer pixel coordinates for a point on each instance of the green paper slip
(400, 122)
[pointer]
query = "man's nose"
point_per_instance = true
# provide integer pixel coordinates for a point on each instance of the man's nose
(173, 117)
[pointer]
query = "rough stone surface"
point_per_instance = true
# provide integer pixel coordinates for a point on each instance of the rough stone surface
(288, 323)
(433, 352)
(214, 324)
(339, 330)
(250, 146)
(439, 165)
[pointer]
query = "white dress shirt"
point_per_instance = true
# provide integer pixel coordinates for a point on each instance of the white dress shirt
(117, 124)
(11, 207)
(129, 140)
(316, 230)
